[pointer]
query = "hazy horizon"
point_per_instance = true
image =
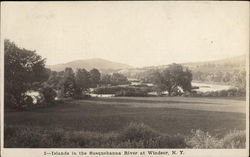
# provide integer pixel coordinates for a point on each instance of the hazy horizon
(135, 33)
(145, 65)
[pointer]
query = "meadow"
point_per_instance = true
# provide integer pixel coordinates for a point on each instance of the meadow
(164, 115)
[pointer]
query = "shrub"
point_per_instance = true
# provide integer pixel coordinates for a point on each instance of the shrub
(23, 137)
(200, 139)
(241, 92)
(123, 91)
(106, 90)
(139, 135)
(136, 135)
(27, 101)
(175, 141)
(222, 93)
(231, 92)
(131, 92)
(85, 139)
(49, 95)
(138, 132)
(81, 96)
(235, 139)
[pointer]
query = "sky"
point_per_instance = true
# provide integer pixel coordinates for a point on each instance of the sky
(136, 33)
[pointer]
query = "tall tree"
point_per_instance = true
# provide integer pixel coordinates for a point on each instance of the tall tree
(186, 79)
(23, 69)
(173, 77)
(82, 80)
(95, 77)
(68, 83)
(53, 80)
(105, 79)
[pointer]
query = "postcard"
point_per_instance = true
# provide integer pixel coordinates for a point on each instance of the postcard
(125, 78)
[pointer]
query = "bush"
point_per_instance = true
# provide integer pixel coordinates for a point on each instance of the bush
(23, 137)
(241, 92)
(235, 139)
(123, 91)
(222, 93)
(138, 132)
(139, 135)
(27, 101)
(200, 139)
(107, 90)
(85, 139)
(131, 92)
(49, 95)
(81, 96)
(176, 141)
(135, 135)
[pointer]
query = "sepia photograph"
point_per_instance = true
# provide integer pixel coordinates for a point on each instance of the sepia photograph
(127, 78)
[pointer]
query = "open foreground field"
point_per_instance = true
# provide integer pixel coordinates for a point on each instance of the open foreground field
(166, 115)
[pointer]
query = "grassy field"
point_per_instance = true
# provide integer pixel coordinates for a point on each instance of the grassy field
(170, 115)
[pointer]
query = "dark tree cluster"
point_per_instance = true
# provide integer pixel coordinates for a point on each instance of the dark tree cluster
(24, 71)
(236, 78)
(70, 83)
(171, 79)
(114, 79)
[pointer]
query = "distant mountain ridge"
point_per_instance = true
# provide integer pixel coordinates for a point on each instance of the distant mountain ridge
(88, 64)
(239, 60)
(213, 66)
(227, 64)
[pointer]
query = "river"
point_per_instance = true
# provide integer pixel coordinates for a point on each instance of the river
(205, 87)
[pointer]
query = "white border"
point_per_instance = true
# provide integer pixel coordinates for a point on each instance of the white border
(13, 152)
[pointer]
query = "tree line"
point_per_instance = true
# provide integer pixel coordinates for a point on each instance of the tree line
(172, 79)
(236, 77)
(25, 70)
(72, 84)
(75, 84)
